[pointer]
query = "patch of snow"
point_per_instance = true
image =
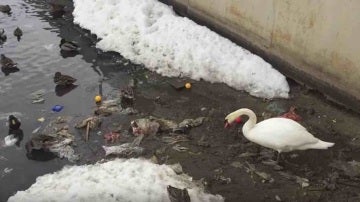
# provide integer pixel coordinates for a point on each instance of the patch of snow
(150, 33)
(117, 180)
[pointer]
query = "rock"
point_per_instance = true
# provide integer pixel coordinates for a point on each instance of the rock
(178, 195)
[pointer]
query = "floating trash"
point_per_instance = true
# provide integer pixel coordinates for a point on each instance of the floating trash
(57, 108)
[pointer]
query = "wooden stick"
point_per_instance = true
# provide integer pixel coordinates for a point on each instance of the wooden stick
(87, 131)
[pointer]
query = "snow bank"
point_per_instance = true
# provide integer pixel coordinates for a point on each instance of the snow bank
(119, 180)
(150, 33)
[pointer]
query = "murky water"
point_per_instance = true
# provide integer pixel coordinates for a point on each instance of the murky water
(39, 57)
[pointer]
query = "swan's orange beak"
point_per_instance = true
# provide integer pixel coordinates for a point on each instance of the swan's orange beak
(227, 124)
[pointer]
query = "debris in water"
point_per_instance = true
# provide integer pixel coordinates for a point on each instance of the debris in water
(152, 125)
(144, 126)
(127, 97)
(37, 96)
(264, 176)
(111, 137)
(180, 148)
(3, 158)
(36, 130)
(93, 122)
(57, 108)
(292, 114)
(42, 119)
(56, 139)
(303, 182)
(10, 140)
(126, 150)
(6, 171)
(236, 164)
(174, 139)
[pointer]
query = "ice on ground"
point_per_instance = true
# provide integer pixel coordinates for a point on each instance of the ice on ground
(117, 180)
(150, 33)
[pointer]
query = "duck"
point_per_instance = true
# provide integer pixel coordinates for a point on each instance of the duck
(63, 80)
(68, 45)
(278, 133)
(5, 9)
(2, 36)
(14, 123)
(7, 63)
(18, 33)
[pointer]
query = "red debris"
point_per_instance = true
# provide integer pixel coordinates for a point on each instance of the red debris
(292, 115)
(111, 137)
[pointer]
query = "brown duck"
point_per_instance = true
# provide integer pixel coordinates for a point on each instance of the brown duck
(63, 80)
(5, 9)
(7, 63)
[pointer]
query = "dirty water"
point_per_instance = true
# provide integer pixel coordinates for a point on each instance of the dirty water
(230, 165)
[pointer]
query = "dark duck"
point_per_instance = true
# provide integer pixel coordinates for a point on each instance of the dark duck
(3, 36)
(7, 62)
(68, 45)
(5, 9)
(7, 65)
(63, 80)
(14, 123)
(18, 33)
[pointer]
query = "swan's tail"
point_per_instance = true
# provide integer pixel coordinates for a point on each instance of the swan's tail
(321, 145)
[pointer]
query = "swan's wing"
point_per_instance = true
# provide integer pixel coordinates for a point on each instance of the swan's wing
(281, 134)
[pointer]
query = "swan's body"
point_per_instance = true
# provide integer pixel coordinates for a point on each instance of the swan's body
(279, 134)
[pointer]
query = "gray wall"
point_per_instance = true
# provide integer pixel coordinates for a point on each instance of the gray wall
(314, 42)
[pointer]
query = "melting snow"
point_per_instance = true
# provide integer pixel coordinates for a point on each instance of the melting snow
(150, 33)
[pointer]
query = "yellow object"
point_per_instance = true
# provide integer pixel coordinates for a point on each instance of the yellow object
(42, 119)
(98, 98)
(188, 85)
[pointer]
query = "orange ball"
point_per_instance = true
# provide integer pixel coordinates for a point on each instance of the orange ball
(188, 85)
(97, 98)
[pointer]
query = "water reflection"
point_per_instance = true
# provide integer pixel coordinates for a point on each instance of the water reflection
(61, 90)
(8, 71)
(38, 154)
(67, 54)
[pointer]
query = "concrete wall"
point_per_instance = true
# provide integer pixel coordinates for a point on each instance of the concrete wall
(314, 42)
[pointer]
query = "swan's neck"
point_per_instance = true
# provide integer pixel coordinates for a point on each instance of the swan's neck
(249, 123)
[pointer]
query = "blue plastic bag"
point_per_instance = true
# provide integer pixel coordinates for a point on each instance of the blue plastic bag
(57, 108)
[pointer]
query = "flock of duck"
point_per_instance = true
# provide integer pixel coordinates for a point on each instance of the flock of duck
(9, 66)
(279, 134)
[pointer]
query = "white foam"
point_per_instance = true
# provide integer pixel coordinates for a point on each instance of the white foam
(150, 33)
(117, 180)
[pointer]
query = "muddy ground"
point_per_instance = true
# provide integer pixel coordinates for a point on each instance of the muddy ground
(229, 164)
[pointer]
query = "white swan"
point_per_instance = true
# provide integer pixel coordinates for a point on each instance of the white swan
(279, 134)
